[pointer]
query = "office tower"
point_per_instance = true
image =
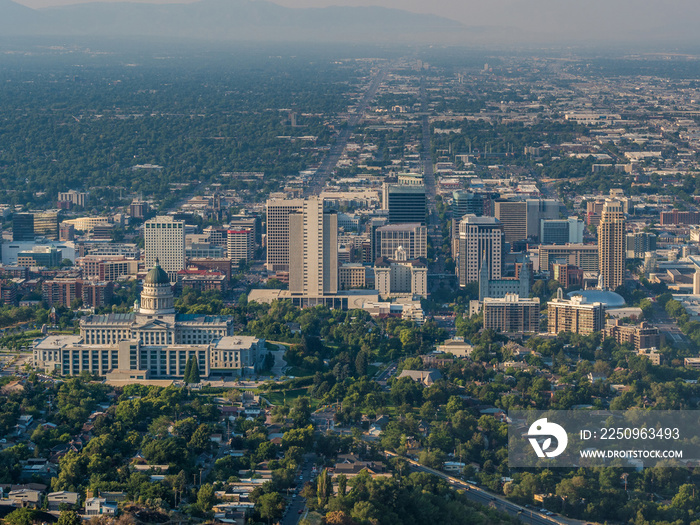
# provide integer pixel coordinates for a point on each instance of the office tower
(464, 202)
(539, 210)
(247, 222)
(611, 245)
(594, 210)
(639, 243)
(513, 217)
(373, 224)
(467, 202)
(241, 246)
(138, 209)
(406, 203)
(412, 237)
(584, 256)
(277, 238)
(480, 239)
(23, 227)
(561, 231)
(46, 224)
(512, 313)
(575, 315)
(165, 241)
(313, 253)
(521, 219)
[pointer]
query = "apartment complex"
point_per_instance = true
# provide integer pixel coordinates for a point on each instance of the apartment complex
(642, 336)
(512, 313)
(575, 315)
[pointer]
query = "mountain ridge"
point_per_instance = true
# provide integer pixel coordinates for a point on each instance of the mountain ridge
(222, 20)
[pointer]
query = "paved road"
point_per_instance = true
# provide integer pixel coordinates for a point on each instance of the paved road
(479, 495)
(297, 503)
(386, 373)
(329, 163)
(434, 230)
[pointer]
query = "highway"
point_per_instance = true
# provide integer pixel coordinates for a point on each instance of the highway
(329, 163)
(479, 495)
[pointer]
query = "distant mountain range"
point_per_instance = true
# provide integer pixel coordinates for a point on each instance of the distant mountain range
(224, 20)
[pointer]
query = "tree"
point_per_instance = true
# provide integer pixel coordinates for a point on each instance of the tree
(270, 506)
(324, 488)
(338, 517)
(20, 517)
(205, 498)
(188, 371)
(69, 517)
(342, 484)
(191, 371)
(200, 441)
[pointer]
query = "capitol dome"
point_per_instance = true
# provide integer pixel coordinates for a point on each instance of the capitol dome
(157, 295)
(157, 275)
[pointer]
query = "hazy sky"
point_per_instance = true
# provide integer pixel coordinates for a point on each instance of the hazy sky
(449, 8)
(565, 20)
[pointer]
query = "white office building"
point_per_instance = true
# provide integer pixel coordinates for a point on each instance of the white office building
(165, 241)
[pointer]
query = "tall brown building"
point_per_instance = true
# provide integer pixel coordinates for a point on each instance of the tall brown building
(611, 245)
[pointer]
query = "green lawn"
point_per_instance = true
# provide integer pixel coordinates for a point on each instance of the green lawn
(279, 397)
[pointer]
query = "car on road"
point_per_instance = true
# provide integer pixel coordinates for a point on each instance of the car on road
(300, 511)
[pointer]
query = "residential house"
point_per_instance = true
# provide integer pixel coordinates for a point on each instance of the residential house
(25, 497)
(426, 377)
(100, 507)
(67, 499)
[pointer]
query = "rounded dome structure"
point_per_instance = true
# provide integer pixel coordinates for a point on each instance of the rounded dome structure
(157, 294)
(608, 298)
(156, 275)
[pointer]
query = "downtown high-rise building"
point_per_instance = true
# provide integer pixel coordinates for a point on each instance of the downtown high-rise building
(612, 245)
(165, 240)
(480, 242)
(406, 203)
(313, 253)
(521, 219)
(46, 224)
(277, 237)
(412, 237)
(23, 227)
(240, 245)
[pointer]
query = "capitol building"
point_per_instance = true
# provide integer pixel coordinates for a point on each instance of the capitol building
(152, 342)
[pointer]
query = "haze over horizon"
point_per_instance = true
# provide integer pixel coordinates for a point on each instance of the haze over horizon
(515, 21)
